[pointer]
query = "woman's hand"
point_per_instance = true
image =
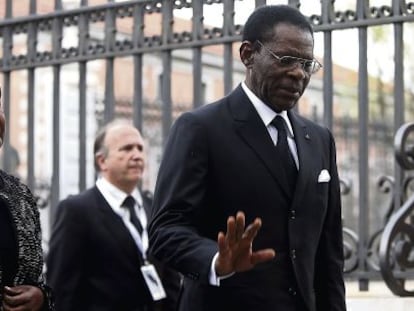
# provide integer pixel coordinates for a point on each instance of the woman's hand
(22, 298)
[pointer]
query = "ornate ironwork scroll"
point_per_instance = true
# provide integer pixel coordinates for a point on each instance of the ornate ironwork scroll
(396, 252)
(350, 238)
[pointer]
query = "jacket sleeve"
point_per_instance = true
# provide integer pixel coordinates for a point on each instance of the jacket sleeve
(48, 303)
(178, 199)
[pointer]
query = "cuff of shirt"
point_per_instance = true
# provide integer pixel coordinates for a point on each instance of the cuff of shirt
(212, 277)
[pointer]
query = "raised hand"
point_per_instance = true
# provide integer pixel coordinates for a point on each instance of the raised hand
(235, 246)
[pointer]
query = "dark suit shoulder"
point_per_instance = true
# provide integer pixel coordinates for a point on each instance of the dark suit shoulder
(219, 106)
(80, 203)
(311, 125)
(202, 112)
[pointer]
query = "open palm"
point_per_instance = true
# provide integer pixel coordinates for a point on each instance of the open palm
(235, 246)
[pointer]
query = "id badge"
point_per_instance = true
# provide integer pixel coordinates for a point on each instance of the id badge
(153, 282)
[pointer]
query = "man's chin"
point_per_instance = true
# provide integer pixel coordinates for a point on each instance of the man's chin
(135, 178)
(281, 106)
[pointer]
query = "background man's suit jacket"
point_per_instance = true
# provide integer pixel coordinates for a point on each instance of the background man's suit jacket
(220, 159)
(94, 263)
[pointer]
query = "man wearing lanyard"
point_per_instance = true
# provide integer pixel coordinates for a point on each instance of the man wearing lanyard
(97, 258)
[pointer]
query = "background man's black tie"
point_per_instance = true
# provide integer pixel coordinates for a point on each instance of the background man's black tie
(284, 154)
(129, 203)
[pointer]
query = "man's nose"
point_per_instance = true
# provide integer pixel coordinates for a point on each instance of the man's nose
(298, 70)
(137, 152)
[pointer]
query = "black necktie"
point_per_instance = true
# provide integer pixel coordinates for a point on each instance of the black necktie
(284, 153)
(129, 203)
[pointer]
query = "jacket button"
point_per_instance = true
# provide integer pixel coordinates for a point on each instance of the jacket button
(293, 253)
(292, 291)
(292, 214)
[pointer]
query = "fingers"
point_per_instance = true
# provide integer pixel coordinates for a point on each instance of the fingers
(236, 230)
(13, 300)
(262, 256)
(12, 291)
(11, 297)
(221, 241)
(251, 231)
(235, 246)
(22, 297)
(240, 224)
(231, 230)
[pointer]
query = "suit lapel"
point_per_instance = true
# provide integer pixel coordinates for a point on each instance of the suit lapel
(252, 130)
(303, 141)
(116, 227)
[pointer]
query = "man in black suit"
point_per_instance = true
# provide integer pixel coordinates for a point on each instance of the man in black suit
(98, 244)
(251, 159)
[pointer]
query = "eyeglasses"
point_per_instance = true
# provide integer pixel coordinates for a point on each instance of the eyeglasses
(310, 66)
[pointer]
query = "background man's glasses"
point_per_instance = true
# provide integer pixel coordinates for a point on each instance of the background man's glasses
(310, 66)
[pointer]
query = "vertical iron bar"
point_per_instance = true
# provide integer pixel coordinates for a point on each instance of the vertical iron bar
(295, 3)
(9, 9)
(83, 30)
(5, 93)
(197, 28)
(31, 53)
(228, 29)
(260, 3)
(327, 10)
(167, 25)
(228, 68)
(56, 51)
(138, 104)
(32, 7)
(82, 124)
(138, 39)
(399, 101)
(110, 31)
(30, 130)
(363, 102)
(109, 109)
(7, 55)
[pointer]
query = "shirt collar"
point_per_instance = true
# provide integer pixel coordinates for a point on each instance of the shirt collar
(114, 195)
(265, 113)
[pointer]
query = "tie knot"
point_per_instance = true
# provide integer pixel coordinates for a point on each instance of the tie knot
(279, 123)
(129, 202)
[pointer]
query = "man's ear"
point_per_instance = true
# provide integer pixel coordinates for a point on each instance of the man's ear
(100, 160)
(246, 53)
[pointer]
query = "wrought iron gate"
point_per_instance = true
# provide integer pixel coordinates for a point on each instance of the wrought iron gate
(99, 32)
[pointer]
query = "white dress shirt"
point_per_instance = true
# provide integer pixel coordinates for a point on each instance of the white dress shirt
(267, 115)
(115, 197)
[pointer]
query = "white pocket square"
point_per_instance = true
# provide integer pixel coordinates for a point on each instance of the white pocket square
(324, 176)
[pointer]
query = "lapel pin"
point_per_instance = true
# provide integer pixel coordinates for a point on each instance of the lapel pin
(307, 136)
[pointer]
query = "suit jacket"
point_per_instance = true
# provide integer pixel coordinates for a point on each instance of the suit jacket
(93, 262)
(220, 159)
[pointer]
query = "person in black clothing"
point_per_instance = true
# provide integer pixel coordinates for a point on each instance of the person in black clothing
(97, 253)
(247, 202)
(22, 286)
